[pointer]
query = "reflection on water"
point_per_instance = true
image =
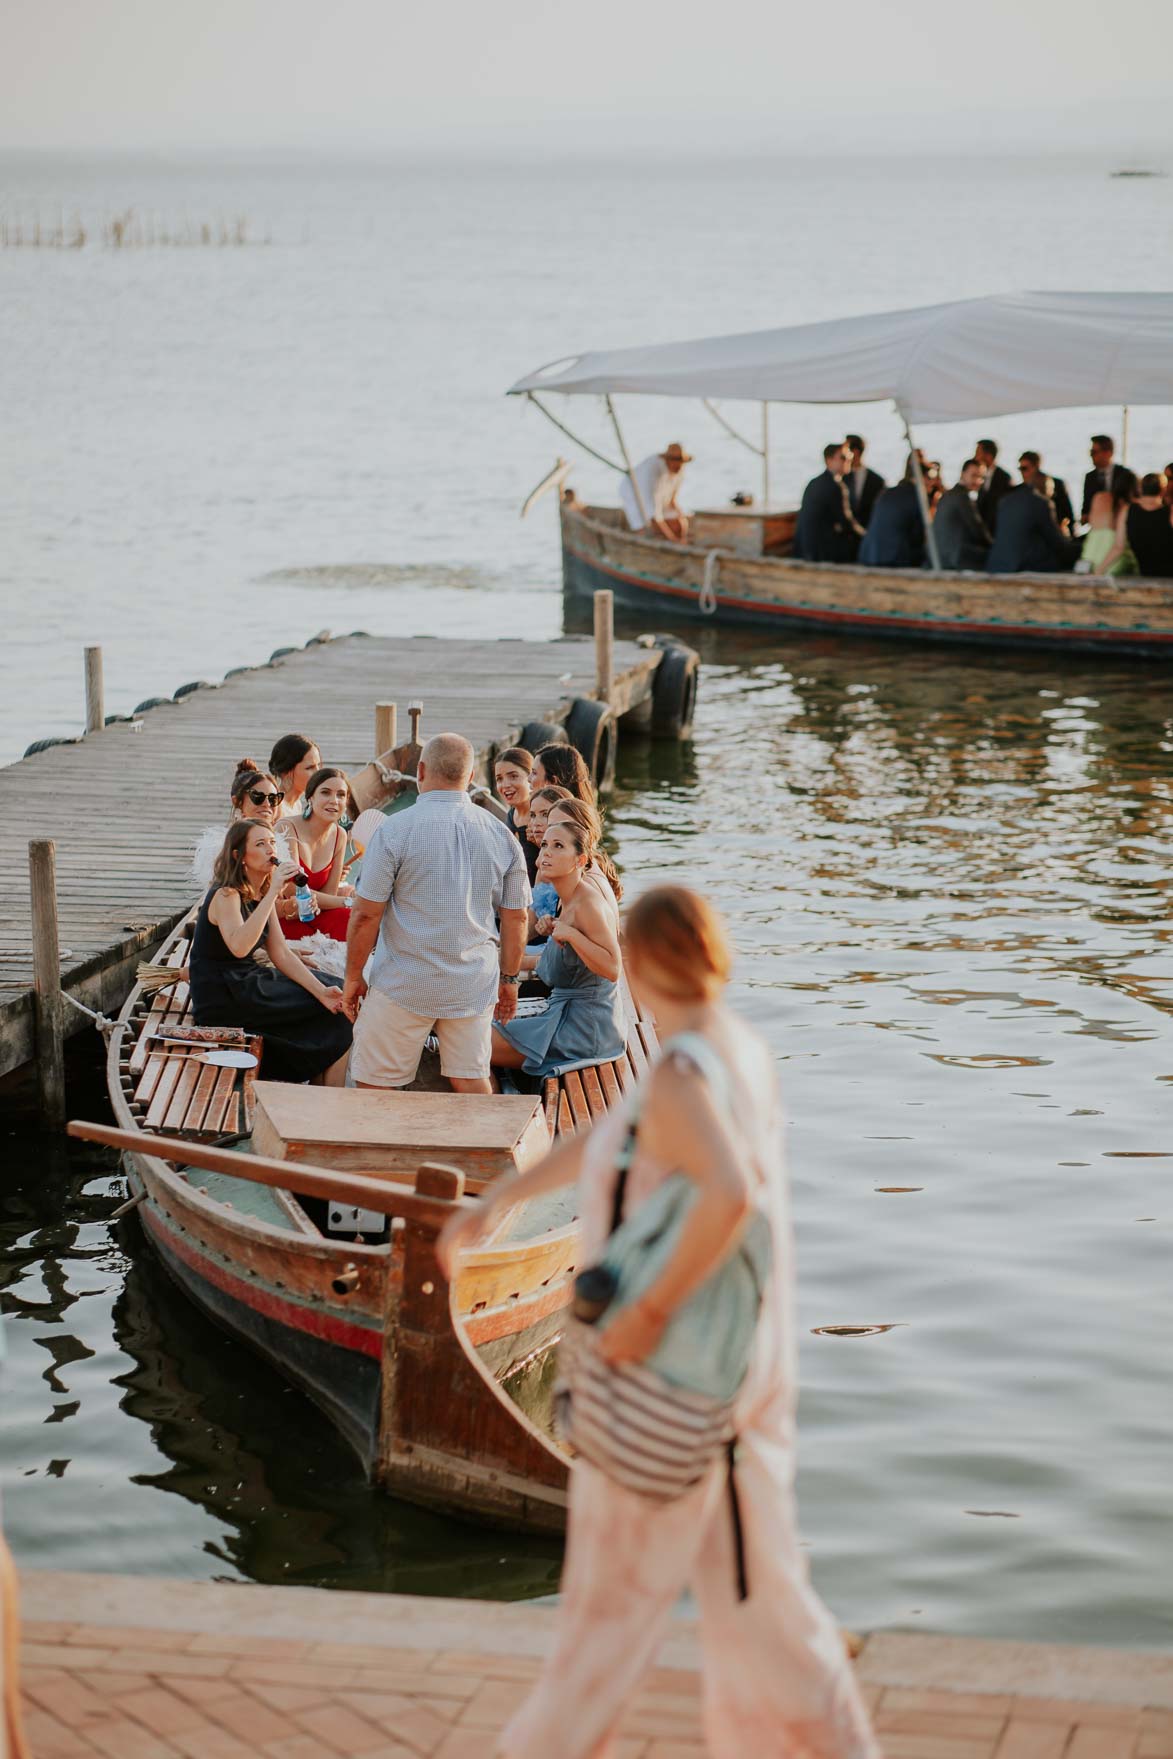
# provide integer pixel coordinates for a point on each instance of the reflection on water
(946, 876)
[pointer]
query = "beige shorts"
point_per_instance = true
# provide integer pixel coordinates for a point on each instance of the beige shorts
(388, 1040)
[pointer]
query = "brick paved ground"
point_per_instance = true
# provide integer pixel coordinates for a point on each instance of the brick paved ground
(226, 1685)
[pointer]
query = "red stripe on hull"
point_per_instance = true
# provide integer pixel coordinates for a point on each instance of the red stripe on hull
(261, 1299)
(857, 619)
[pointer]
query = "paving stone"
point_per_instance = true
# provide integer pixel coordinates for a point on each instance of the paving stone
(343, 1728)
(1033, 1740)
(1077, 1710)
(494, 1704)
(1101, 1743)
(162, 1711)
(283, 1697)
(119, 1738)
(247, 1717)
(901, 1698)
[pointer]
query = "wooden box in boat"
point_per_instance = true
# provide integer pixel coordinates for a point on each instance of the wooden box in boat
(748, 531)
(391, 1134)
(1078, 612)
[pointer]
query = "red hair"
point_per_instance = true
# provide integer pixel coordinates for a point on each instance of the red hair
(680, 940)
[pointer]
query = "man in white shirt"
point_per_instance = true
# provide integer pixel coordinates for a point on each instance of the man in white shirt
(658, 482)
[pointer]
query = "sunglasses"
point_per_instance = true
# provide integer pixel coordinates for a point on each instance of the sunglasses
(259, 797)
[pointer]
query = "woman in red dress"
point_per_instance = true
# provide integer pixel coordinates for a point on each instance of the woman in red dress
(319, 843)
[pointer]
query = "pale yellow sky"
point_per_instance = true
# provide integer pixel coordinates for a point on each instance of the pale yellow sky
(694, 76)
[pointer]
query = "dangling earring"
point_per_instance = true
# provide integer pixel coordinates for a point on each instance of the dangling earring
(307, 809)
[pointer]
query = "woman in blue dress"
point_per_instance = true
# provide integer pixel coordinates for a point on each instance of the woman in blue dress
(585, 1019)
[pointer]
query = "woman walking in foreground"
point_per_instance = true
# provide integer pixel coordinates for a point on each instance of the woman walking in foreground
(776, 1680)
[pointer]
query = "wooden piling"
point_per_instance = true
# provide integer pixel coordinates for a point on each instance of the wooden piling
(415, 710)
(48, 1005)
(604, 644)
(95, 694)
(385, 719)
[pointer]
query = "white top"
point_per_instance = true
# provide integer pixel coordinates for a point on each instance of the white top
(443, 868)
(1005, 353)
(657, 485)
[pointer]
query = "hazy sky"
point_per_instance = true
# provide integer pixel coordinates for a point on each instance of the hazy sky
(697, 76)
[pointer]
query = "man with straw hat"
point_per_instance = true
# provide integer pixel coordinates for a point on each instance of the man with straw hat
(648, 495)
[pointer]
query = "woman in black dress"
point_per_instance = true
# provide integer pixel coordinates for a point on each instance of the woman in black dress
(1145, 526)
(296, 1011)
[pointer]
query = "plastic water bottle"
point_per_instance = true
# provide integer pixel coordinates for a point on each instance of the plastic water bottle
(305, 904)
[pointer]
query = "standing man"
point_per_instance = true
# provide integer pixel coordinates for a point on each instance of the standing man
(658, 479)
(827, 530)
(962, 538)
(1052, 488)
(996, 485)
(432, 879)
(864, 486)
(1105, 473)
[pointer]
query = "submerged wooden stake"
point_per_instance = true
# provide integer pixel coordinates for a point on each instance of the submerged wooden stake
(415, 710)
(385, 718)
(604, 644)
(95, 696)
(48, 1006)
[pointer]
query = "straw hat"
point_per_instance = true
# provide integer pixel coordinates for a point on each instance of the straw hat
(675, 454)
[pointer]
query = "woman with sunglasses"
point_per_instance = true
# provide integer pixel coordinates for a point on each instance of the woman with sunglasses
(318, 843)
(253, 795)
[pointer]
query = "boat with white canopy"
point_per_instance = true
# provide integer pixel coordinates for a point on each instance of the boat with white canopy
(1000, 355)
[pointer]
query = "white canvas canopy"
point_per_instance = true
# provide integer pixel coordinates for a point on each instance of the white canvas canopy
(1000, 355)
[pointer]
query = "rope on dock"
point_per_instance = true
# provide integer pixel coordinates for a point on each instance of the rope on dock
(103, 1022)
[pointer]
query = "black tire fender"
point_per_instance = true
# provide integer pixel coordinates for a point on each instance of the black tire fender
(152, 702)
(187, 689)
(535, 734)
(591, 729)
(674, 691)
(46, 745)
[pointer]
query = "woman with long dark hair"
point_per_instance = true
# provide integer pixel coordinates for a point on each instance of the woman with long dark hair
(296, 1011)
(564, 765)
(293, 761)
(319, 843)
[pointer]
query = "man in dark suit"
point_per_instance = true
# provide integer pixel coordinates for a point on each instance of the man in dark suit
(1105, 473)
(864, 486)
(996, 485)
(1052, 488)
(826, 530)
(896, 536)
(1027, 539)
(962, 538)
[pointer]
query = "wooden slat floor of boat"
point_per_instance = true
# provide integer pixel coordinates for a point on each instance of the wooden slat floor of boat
(124, 854)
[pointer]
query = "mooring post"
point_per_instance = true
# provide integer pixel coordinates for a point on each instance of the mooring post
(95, 697)
(415, 710)
(384, 727)
(604, 644)
(48, 1006)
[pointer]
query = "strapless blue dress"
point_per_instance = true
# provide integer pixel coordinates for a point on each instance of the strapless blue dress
(584, 1022)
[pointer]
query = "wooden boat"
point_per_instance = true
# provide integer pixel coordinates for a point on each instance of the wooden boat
(429, 1384)
(736, 569)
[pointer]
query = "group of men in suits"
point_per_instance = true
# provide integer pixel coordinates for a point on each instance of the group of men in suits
(984, 521)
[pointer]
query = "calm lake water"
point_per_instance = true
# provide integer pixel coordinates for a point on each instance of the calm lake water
(945, 872)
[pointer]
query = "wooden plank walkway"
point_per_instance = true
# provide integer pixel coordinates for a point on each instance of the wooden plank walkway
(140, 1668)
(126, 806)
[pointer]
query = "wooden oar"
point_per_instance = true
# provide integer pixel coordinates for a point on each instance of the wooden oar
(348, 1188)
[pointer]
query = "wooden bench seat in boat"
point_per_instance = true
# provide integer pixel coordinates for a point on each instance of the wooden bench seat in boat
(577, 1098)
(171, 1089)
(389, 1133)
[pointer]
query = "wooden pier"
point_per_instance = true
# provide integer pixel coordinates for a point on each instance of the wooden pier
(125, 803)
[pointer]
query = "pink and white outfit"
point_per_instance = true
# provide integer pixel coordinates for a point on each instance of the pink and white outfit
(777, 1684)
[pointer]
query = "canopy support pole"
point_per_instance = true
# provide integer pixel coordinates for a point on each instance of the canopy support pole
(635, 488)
(563, 429)
(1124, 435)
(921, 494)
(765, 456)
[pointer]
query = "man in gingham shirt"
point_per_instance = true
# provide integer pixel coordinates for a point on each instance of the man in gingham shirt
(433, 880)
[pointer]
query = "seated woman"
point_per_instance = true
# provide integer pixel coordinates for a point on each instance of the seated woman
(319, 844)
(584, 1021)
(293, 761)
(601, 869)
(544, 899)
(511, 778)
(1100, 542)
(297, 1013)
(254, 795)
(1145, 526)
(564, 765)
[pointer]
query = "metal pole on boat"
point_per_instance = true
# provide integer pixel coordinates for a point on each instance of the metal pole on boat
(385, 717)
(1124, 435)
(765, 456)
(95, 697)
(921, 494)
(635, 489)
(48, 1006)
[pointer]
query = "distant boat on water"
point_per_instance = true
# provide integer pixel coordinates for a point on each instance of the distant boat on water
(1137, 171)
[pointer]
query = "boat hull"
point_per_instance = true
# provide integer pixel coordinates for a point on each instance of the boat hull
(1074, 613)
